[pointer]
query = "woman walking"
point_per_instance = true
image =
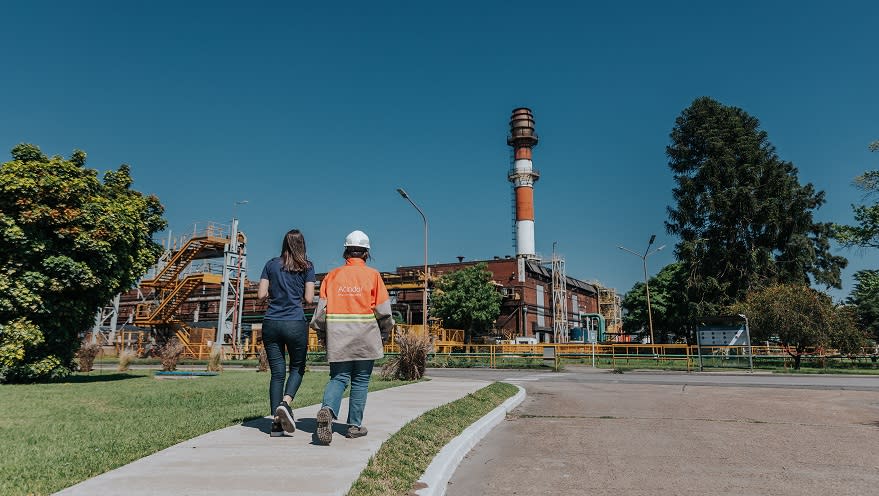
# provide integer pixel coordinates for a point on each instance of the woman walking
(286, 281)
(353, 319)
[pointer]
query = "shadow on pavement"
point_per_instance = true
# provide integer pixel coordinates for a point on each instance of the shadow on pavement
(261, 423)
(303, 425)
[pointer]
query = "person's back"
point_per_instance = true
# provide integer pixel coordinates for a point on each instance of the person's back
(286, 281)
(352, 292)
(353, 318)
(286, 290)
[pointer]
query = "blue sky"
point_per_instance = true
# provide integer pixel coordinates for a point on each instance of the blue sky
(315, 115)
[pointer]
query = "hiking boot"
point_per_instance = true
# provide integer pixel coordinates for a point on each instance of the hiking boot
(277, 429)
(325, 425)
(285, 414)
(355, 431)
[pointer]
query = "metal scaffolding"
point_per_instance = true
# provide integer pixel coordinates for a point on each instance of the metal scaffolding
(189, 263)
(560, 326)
(106, 322)
(232, 293)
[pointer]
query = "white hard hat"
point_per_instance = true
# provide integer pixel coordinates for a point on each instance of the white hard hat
(358, 239)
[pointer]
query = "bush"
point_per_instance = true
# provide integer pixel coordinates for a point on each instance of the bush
(70, 241)
(86, 356)
(125, 358)
(263, 360)
(410, 363)
(170, 354)
(20, 359)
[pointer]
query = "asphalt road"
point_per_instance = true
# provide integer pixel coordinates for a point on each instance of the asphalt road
(592, 432)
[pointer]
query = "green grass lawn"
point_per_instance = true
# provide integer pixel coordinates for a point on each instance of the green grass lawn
(55, 435)
(405, 455)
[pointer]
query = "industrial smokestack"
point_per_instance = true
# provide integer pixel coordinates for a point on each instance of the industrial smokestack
(523, 176)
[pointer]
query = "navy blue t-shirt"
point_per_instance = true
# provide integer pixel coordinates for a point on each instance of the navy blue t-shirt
(285, 290)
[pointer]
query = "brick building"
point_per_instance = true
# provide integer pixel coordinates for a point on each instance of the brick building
(526, 286)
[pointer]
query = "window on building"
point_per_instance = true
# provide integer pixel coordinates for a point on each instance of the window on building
(541, 318)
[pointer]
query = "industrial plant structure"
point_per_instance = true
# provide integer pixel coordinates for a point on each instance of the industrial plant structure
(198, 290)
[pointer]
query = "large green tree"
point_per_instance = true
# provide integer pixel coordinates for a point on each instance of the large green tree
(797, 316)
(467, 299)
(865, 234)
(801, 319)
(865, 298)
(847, 336)
(69, 241)
(669, 306)
(742, 217)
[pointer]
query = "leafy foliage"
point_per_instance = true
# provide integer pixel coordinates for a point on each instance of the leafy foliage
(68, 242)
(467, 299)
(846, 335)
(795, 315)
(743, 219)
(669, 304)
(866, 232)
(865, 298)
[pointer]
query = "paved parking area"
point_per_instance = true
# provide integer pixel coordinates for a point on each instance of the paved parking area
(595, 433)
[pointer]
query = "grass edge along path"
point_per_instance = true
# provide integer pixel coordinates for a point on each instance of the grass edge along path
(404, 457)
(58, 434)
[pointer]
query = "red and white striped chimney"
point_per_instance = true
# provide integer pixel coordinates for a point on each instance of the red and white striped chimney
(523, 175)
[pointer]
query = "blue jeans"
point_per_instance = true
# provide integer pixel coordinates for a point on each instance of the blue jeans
(357, 373)
(276, 336)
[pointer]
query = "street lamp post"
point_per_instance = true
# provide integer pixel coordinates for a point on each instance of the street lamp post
(424, 218)
(643, 258)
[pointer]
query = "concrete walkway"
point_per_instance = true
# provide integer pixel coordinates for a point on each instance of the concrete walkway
(243, 459)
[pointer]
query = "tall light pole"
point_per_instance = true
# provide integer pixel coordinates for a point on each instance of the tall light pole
(235, 206)
(423, 217)
(643, 258)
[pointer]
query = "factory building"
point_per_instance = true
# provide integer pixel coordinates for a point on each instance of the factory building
(539, 300)
(527, 288)
(190, 291)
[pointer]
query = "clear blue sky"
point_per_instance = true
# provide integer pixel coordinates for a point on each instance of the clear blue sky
(315, 115)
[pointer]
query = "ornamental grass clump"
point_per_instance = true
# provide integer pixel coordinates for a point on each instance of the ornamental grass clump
(86, 355)
(126, 356)
(170, 354)
(263, 360)
(410, 363)
(215, 359)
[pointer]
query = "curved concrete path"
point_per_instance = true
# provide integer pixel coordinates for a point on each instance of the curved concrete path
(243, 459)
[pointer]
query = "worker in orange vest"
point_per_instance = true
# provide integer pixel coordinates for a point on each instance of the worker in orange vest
(353, 319)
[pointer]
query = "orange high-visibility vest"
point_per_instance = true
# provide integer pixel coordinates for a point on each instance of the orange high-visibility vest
(354, 312)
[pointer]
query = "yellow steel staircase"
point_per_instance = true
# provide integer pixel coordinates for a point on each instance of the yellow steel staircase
(175, 281)
(198, 247)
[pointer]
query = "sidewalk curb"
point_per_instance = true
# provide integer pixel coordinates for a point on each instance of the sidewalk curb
(436, 477)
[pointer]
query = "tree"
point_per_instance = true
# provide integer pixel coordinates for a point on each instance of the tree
(743, 219)
(846, 335)
(865, 234)
(68, 243)
(795, 315)
(669, 304)
(865, 298)
(467, 299)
